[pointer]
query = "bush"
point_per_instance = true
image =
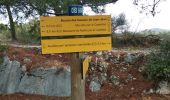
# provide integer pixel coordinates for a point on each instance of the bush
(1, 60)
(128, 39)
(28, 32)
(158, 66)
(4, 33)
(2, 49)
(164, 35)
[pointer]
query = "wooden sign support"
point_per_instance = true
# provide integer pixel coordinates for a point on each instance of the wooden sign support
(96, 32)
(77, 84)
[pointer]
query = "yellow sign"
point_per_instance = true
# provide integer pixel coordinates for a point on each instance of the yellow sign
(76, 45)
(75, 25)
(85, 66)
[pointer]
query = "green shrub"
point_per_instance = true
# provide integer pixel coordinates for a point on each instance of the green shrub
(28, 32)
(128, 39)
(2, 49)
(1, 60)
(164, 36)
(158, 66)
(4, 33)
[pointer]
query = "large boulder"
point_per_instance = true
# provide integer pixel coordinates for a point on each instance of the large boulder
(52, 82)
(43, 81)
(10, 76)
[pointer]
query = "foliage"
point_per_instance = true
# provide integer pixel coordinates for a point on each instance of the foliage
(4, 32)
(58, 7)
(25, 32)
(1, 60)
(28, 32)
(148, 6)
(128, 39)
(12, 8)
(96, 5)
(164, 35)
(18, 10)
(2, 49)
(118, 22)
(158, 66)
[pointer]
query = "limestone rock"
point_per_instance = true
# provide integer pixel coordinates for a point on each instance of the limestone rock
(10, 76)
(44, 81)
(163, 88)
(95, 86)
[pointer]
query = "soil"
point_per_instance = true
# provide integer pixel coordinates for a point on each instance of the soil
(131, 90)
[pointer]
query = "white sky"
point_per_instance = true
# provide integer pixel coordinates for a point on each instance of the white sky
(136, 20)
(140, 21)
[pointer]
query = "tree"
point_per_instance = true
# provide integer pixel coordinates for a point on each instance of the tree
(12, 8)
(148, 6)
(5, 6)
(60, 7)
(97, 4)
(118, 22)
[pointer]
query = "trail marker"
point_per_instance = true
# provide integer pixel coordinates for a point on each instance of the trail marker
(68, 34)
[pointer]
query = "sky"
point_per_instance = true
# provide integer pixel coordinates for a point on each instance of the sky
(137, 21)
(140, 21)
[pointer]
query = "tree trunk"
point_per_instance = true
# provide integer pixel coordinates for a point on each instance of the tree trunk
(12, 26)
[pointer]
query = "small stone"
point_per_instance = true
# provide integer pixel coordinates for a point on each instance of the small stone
(123, 69)
(151, 91)
(24, 68)
(132, 88)
(95, 86)
(100, 69)
(60, 56)
(163, 88)
(27, 60)
(140, 69)
(132, 58)
(130, 77)
(134, 78)
(115, 80)
(102, 78)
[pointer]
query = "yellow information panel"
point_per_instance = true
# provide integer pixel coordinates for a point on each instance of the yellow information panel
(85, 66)
(76, 45)
(75, 25)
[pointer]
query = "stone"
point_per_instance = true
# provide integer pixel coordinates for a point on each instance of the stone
(102, 78)
(99, 53)
(44, 80)
(163, 88)
(10, 75)
(24, 68)
(27, 60)
(115, 80)
(51, 82)
(130, 77)
(141, 68)
(132, 58)
(95, 86)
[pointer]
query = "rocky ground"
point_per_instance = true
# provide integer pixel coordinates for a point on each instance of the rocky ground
(112, 75)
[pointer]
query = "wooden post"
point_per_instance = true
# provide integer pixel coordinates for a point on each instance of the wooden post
(77, 83)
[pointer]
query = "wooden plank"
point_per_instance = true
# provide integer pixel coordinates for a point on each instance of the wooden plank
(75, 25)
(75, 45)
(77, 84)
